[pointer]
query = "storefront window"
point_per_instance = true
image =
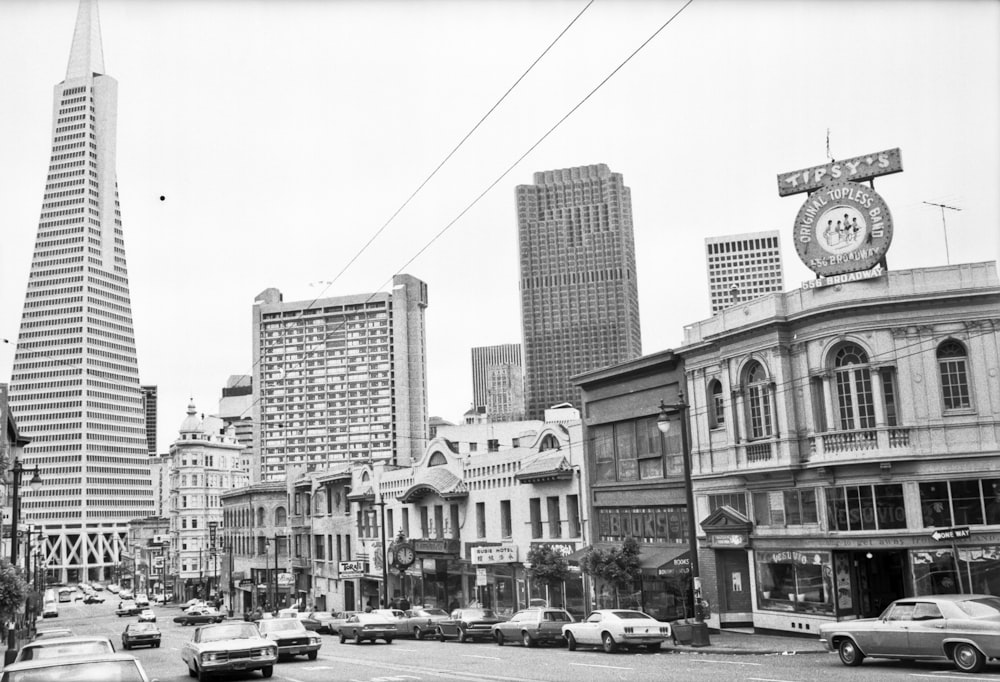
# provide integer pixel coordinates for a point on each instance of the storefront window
(977, 572)
(934, 572)
(953, 503)
(866, 507)
(795, 581)
(791, 507)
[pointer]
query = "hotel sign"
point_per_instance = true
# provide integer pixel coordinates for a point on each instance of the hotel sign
(499, 554)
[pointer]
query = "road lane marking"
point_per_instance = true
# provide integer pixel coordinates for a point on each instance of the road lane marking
(950, 676)
(708, 660)
(489, 658)
(595, 665)
(768, 679)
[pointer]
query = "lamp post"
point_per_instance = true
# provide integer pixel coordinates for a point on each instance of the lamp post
(385, 560)
(663, 423)
(15, 503)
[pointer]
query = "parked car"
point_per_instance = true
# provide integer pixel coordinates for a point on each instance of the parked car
(339, 619)
(62, 647)
(199, 614)
(192, 602)
(612, 628)
(127, 608)
(467, 625)
(140, 634)
(962, 628)
(291, 637)
(317, 621)
(50, 610)
(147, 616)
(533, 626)
(421, 622)
(117, 667)
(125, 594)
(52, 633)
(229, 647)
(93, 598)
(372, 626)
(142, 600)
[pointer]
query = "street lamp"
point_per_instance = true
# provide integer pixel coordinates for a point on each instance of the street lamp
(385, 560)
(663, 423)
(15, 503)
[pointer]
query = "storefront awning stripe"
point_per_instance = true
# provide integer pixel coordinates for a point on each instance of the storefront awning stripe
(657, 559)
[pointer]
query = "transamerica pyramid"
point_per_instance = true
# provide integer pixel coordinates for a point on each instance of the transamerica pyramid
(75, 384)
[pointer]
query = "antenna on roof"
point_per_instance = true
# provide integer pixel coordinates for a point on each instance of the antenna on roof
(944, 226)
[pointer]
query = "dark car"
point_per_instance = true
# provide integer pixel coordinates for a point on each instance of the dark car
(317, 621)
(199, 614)
(468, 625)
(93, 599)
(962, 628)
(533, 626)
(421, 622)
(140, 634)
(291, 637)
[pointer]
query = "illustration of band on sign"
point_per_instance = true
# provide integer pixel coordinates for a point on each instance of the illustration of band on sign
(844, 228)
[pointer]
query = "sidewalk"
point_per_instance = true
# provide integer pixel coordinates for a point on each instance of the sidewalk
(744, 642)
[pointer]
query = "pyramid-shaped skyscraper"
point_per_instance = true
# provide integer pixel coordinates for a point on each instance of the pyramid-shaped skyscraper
(75, 385)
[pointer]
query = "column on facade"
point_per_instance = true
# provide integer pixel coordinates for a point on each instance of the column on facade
(828, 404)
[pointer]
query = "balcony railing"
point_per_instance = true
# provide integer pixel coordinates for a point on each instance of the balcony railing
(833, 445)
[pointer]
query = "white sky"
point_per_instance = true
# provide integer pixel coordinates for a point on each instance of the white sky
(284, 133)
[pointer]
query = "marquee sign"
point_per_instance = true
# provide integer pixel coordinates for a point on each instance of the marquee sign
(844, 226)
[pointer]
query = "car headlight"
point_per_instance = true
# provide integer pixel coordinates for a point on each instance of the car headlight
(213, 657)
(313, 639)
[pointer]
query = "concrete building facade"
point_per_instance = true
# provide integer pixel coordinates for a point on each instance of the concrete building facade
(339, 379)
(498, 381)
(742, 267)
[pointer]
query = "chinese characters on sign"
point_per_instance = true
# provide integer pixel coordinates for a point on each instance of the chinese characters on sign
(500, 554)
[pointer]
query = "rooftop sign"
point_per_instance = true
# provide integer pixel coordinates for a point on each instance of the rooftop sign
(858, 169)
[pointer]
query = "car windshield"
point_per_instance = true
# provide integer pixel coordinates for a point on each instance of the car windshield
(57, 649)
(984, 607)
(632, 615)
(86, 671)
(431, 612)
(142, 627)
(218, 633)
(478, 613)
(321, 615)
(281, 625)
(560, 616)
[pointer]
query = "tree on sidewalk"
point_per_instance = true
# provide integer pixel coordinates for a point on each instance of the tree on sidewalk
(548, 568)
(619, 569)
(13, 592)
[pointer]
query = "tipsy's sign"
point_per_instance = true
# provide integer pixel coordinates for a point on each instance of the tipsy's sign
(843, 226)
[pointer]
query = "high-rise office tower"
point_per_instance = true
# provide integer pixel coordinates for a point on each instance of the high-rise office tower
(498, 381)
(149, 401)
(742, 267)
(579, 296)
(339, 379)
(236, 410)
(75, 384)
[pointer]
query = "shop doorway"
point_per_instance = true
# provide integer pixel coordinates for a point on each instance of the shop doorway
(880, 577)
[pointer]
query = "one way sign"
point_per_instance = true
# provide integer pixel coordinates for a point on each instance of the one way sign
(951, 533)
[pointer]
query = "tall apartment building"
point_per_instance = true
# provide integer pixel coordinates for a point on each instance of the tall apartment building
(742, 267)
(579, 295)
(149, 400)
(498, 381)
(236, 409)
(339, 379)
(75, 383)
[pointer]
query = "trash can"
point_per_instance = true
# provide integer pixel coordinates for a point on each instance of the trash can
(690, 633)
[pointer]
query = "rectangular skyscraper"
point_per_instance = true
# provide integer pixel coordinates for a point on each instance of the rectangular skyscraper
(339, 379)
(742, 267)
(579, 295)
(498, 381)
(75, 384)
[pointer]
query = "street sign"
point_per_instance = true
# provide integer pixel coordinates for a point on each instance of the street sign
(246, 582)
(952, 533)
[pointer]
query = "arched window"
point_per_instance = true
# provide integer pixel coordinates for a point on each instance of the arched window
(550, 442)
(757, 388)
(716, 405)
(436, 460)
(953, 366)
(855, 406)
(280, 517)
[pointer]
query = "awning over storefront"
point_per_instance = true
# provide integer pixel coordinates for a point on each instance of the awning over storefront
(671, 562)
(573, 559)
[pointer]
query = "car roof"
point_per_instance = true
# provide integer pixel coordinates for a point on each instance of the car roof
(54, 641)
(63, 660)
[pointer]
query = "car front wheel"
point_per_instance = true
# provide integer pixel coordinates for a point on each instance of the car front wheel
(418, 633)
(570, 641)
(440, 635)
(343, 639)
(357, 637)
(498, 636)
(608, 642)
(461, 635)
(267, 670)
(968, 658)
(526, 640)
(313, 655)
(849, 653)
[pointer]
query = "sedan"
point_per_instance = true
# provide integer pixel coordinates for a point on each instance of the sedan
(127, 608)
(468, 625)
(140, 634)
(199, 614)
(147, 616)
(118, 667)
(317, 621)
(62, 647)
(962, 628)
(373, 626)
(228, 647)
(93, 599)
(611, 628)
(291, 637)
(420, 622)
(533, 626)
